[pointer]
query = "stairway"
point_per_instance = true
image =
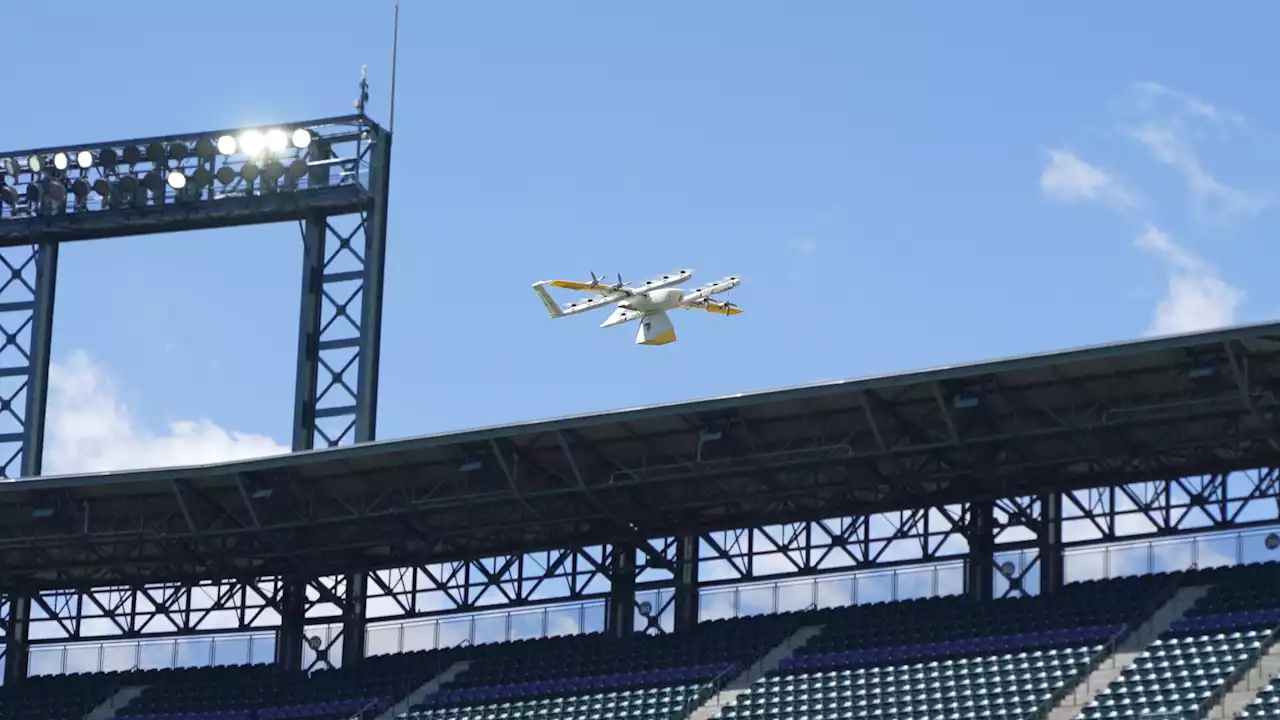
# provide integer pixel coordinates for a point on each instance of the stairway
(427, 688)
(107, 708)
(766, 664)
(1244, 690)
(1127, 650)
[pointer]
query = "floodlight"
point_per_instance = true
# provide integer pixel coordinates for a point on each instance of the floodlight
(56, 192)
(10, 166)
(154, 183)
(203, 178)
(129, 185)
(179, 151)
(277, 141)
(252, 142)
(131, 155)
(272, 172)
(8, 196)
(84, 159)
(205, 148)
(249, 172)
(301, 138)
(102, 187)
(177, 180)
(226, 175)
(156, 153)
(227, 145)
(35, 163)
(109, 158)
(80, 188)
(61, 161)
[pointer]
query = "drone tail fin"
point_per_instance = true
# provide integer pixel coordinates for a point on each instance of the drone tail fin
(656, 329)
(547, 301)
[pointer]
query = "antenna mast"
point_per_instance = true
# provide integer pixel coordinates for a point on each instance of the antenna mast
(395, 43)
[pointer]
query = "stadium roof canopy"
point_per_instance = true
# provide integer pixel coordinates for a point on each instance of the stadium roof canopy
(1154, 409)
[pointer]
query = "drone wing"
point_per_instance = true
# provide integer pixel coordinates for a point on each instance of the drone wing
(579, 306)
(712, 306)
(599, 287)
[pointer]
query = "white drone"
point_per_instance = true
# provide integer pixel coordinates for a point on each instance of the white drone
(648, 303)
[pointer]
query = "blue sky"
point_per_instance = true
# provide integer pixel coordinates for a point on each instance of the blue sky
(900, 186)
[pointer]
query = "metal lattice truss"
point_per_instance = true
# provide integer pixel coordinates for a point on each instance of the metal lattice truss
(1148, 412)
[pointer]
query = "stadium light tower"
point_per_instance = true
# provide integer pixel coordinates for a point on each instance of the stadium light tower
(308, 172)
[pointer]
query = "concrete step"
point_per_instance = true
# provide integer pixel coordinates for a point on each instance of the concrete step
(429, 687)
(1242, 692)
(121, 699)
(1127, 650)
(768, 663)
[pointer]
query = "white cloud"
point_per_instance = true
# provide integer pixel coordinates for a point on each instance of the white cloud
(91, 429)
(1198, 299)
(804, 246)
(1145, 93)
(1168, 145)
(1069, 179)
(1165, 121)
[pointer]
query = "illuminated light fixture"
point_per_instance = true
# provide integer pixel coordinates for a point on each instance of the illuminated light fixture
(301, 138)
(252, 143)
(277, 141)
(177, 180)
(226, 175)
(249, 172)
(179, 151)
(84, 159)
(157, 154)
(61, 161)
(35, 163)
(131, 155)
(203, 178)
(109, 159)
(206, 148)
(227, 145)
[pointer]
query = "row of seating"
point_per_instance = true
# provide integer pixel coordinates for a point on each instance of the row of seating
(936, 658)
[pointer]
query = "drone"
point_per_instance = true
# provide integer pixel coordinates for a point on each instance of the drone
(647, 303)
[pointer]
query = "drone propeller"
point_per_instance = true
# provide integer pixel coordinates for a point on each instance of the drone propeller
(595, 281)
(728, 308)
(619, 285)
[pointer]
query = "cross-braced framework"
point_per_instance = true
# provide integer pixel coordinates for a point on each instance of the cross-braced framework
(318, 173)
(995, 480)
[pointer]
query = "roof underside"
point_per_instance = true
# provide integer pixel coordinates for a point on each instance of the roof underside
(1126, 413)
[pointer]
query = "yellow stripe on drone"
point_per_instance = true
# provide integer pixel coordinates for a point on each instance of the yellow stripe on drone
(571, 285)
(719, 309)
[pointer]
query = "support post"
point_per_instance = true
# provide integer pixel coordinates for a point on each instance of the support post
(293, 624)
(353, 619)
(1052, 567)
(28, 281)
(621, 619)
(340, 327)
(980, 565)
(17, 639)
(686, 594)
(375, 254)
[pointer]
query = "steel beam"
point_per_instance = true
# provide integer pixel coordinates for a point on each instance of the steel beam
(980, 564)
(620, 621)
(686, 581)
(1049, 532)
(340, 324)
(28, 280)
(17, 633)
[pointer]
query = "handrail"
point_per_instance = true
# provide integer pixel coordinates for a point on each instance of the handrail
(1238, 674)
(1073, 685)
